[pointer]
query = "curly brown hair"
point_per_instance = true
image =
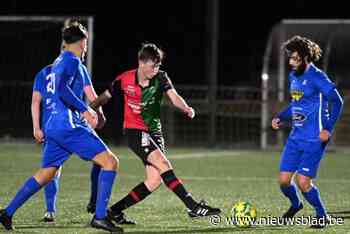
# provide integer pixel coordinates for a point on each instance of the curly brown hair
(304, 46)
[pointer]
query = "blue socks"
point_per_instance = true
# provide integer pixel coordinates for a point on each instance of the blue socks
(29, 188)
(291, 193)
(94, 175)
(313, 197)
(105, 185)
(51, 190)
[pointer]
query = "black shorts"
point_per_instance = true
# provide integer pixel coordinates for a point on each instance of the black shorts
(143, 143)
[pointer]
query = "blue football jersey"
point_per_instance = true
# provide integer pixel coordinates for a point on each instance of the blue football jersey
(66, 68)
(40, 83)
(87, 79)
(308, 103)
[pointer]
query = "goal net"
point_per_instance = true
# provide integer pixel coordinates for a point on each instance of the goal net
(27, 45)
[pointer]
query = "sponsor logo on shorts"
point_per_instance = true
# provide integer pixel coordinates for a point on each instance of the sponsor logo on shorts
(145, 141)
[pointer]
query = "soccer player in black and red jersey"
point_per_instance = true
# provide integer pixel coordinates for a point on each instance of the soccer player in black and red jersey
(143, 90)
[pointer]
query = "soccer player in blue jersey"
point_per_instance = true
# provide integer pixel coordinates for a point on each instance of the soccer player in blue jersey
(39, 118)
(314, 109)
(68, 130)
(40, 115)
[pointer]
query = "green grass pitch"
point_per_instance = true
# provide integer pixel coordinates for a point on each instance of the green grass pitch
(220, 177)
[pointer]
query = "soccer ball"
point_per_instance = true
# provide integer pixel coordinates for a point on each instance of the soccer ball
(243, 214)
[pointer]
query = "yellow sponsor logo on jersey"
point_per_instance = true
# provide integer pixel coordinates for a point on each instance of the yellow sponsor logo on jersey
(296, 95)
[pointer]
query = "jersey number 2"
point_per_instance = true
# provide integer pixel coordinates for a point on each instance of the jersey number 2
(50, 88)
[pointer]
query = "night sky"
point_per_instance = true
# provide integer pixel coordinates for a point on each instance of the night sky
(179, 27)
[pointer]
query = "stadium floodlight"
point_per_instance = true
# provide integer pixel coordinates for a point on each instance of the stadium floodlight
(264, 76)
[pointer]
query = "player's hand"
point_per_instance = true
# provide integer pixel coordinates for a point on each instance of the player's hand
(276, 123)
(38, 135)
(91, 117)
(101, 119)
(324, 135)
(190, 112)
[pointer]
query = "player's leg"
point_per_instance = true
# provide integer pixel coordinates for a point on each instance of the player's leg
(94, 174)
(148, 150)
(307, 170)
(53, 158)
(109, 165)
(139, 143)
(28, 189)
(145, 147)
(136, 195)
(88, 146)
(159, 160)
(153, 179)
(51, 190)
(289, 162)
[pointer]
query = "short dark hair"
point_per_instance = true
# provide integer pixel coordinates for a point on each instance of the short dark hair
(70, 22)
(304, 46)
(74, 32)
(150, 51)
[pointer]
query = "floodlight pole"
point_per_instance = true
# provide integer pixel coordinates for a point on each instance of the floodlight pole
(281, 80)
(212, 65)
(90, 51)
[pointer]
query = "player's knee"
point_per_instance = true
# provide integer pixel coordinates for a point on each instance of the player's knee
(45, 175)
(167, 163)
(153, 183)
(110, 162)
(164, 165)
(113, 162)
(284, 181)
(304, 184)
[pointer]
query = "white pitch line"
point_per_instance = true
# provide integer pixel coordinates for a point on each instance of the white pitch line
(205, 154)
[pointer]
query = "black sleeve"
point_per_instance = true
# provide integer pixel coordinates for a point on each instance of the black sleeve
(165, 82)
(115, 88)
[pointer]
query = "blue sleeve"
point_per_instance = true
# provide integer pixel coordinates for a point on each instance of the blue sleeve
(38, 82)
(336, 106)
(323, 83)
(86, 77)
(66, 93)
(285, 114)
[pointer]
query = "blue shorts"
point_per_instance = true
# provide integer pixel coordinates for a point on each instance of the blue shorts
(302, 157)
(45, 158)
(60, 144)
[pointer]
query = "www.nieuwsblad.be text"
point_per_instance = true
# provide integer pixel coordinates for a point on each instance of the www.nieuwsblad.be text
(276, 221)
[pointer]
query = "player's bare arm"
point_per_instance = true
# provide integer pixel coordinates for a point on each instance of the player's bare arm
(101, 100)
(180, 103)
(35, 107)
(91, 96)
